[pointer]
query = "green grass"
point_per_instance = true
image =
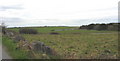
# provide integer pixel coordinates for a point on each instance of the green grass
(15, 29)
(11, 48)
(77, 44)
(70, 45)
(43, 29)
(83, 31)
(22, 53)
(49, 30)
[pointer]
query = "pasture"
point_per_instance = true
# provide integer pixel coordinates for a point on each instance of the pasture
(77, 44)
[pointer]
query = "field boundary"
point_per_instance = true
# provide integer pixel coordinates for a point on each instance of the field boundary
(23, 44)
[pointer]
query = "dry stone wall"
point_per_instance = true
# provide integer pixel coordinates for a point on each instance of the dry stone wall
(36, 46)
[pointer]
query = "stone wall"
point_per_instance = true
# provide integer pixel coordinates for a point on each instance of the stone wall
(22, 43)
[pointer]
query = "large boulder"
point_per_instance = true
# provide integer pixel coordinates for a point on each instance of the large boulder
(41, 47)
(10, 34)
(18, 38)
(38, 46)
(48, 50)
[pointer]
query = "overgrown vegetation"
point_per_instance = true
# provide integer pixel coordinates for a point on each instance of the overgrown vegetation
(43, 29)
(78, 43)
(11, 48)
(110, 27)
(27, 47)
(24, 53)
(27, 31)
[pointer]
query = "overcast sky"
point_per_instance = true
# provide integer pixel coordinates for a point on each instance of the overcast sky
(57, 12)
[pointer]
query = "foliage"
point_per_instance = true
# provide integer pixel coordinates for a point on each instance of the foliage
(70, 45)
(27, 31)
(76, 44)
(17, 54)
(110, 27)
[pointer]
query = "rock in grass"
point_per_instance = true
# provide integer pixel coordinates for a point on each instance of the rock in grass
(38, 46)
(48, 50)
(41, 47)
(18, 38)
(107, 51)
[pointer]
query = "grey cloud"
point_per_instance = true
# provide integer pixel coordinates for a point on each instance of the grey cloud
(75, 22)
(11, 19)
(107, 19)
(110, 19)
(107, 9)
(50, 22)
(16, 7)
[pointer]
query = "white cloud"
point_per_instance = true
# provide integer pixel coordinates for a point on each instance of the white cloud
(59, 11)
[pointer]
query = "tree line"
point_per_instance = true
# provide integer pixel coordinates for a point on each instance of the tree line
(103, 26)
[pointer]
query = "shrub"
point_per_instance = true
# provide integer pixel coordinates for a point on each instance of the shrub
(109, 26)
(28, 31)
(83, 27)
(90, 27)
(101, 27)
(114, 27)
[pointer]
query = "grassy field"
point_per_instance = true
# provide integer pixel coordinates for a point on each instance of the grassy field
(78, 44)
(11, 48)
(43, 29)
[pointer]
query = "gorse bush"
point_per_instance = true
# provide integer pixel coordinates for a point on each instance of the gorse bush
(28, 31)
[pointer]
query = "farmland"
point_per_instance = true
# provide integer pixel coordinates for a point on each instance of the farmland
(77, 44)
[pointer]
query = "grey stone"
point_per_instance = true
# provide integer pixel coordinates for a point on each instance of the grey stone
(48, 50)
(38, 46)
(41, 47)
(18, 38)
(10, 34)
(107, 51)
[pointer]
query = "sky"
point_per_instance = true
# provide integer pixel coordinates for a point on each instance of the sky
(57, 12)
